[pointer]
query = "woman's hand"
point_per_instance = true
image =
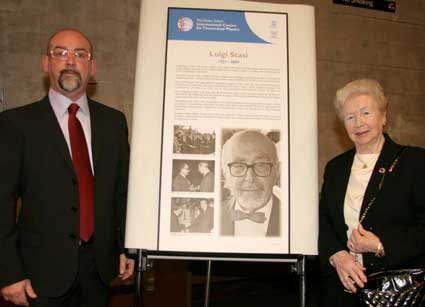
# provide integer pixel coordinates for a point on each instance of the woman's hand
(363, 241)
(349, 270)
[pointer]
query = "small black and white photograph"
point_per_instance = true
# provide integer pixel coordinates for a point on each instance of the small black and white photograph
(193, 176)
(250, 167)
(190, 140)
(193, 215)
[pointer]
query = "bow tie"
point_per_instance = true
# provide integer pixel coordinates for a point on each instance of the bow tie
(257, 217)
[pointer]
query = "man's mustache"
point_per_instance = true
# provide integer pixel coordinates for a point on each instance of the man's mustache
(251, 187)
(70, 71)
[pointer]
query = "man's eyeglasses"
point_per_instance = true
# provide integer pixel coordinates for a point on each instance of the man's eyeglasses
(261, 169)
(62, 54)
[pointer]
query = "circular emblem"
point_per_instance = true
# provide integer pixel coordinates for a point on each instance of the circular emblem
(185, 24)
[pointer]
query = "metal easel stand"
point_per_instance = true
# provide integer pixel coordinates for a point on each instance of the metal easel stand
(141, 266)
(298, 267)
(208, 284)
(300, 270)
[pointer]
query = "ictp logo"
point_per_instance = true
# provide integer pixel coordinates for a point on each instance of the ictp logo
(185, 24)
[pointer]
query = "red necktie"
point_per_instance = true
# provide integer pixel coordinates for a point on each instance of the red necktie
(82, 168)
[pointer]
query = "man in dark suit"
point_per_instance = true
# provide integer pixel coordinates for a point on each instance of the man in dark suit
(66, 156)
(175, 225)
(204, 222)
(180, 182)
(207, 181)
(251, 169)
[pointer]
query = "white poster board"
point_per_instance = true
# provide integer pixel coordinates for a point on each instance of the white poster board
(224, 140)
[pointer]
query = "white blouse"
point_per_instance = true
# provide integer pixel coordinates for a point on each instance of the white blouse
(361, 171)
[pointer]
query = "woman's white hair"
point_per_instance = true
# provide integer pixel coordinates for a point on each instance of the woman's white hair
(368, 87)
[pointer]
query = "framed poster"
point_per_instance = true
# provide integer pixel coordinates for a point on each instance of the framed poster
(228, 166)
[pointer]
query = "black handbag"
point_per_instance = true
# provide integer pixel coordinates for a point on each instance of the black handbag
(394, 288)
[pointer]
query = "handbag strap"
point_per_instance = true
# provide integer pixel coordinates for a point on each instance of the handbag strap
(381, 183)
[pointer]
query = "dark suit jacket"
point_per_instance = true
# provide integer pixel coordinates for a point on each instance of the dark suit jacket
(35, 165)
(207, 183)
(204, 222)
(181, 184)
(227, 225)
(175, 226)
(397, 217)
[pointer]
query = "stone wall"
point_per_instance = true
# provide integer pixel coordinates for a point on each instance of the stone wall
(111, 25)
(356, 43)
(351, 43)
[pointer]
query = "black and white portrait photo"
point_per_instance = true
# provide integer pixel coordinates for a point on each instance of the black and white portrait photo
(250, 172)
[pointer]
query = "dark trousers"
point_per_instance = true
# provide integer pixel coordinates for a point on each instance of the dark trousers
(87, 289)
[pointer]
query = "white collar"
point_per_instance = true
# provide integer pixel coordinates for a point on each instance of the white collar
(60, 103)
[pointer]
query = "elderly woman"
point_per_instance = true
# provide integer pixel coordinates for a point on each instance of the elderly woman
(372, 204)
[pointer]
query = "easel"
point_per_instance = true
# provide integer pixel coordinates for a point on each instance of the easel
(298, 263)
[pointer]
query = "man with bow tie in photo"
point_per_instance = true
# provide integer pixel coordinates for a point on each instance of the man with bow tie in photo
(250, 168)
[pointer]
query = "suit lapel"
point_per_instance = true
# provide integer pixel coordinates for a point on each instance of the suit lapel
(273, 228)
(96, 132)
(385, 159)
(53, 129)
(227, 224)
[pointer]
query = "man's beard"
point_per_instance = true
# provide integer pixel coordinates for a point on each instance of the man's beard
(69, 80)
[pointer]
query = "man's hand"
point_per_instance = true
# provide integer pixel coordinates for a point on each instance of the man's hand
(17, 293)
(126, 267)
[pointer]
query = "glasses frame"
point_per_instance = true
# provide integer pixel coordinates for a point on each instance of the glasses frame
(252, 166)
(67, 52)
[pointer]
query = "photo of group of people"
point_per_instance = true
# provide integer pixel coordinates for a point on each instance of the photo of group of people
(194, 215)
(188, 140)
(193, 177)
